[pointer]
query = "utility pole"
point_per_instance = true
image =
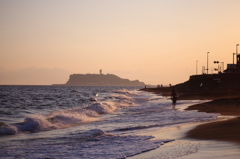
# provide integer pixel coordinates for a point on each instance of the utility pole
(196, 66)
(233, 59)
(236, 52)
(207, 61)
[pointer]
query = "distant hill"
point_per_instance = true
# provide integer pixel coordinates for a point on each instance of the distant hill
(100, 80)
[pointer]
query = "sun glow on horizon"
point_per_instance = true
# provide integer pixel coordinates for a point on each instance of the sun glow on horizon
(155, 41)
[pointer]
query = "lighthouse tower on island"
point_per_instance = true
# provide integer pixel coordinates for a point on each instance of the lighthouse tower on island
(100, 71)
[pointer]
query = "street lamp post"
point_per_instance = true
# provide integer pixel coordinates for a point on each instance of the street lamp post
(196, 66)
(233, 59)
(207, 61)
(236, 51)
(237, 48)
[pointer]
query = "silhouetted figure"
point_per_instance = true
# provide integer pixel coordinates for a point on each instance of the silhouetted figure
(174, 98)
(170, 85)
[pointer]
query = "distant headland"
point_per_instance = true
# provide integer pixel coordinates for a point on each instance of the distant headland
(99, 80)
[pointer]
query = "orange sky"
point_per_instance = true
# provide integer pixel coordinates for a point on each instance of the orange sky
(154, 41)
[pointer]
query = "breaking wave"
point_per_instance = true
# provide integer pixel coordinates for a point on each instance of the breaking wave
(62, 119)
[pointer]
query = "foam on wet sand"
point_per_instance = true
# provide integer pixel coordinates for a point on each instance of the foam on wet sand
(213, 139)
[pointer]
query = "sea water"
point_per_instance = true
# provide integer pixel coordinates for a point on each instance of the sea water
(85, 122)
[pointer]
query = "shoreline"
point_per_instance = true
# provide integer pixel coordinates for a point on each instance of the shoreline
(227, 130)
(217, 138)
(188, 148)
(222, 130)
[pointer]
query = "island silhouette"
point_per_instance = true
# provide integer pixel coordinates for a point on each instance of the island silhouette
(100, 80)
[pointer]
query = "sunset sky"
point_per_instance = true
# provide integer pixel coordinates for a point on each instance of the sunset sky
(155, 41)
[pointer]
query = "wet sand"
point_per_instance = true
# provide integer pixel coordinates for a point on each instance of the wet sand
(214, 139)
(188, 148)
(225, 105)
(228, 130)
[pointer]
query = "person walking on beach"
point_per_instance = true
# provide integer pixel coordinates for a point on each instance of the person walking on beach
(174, 97)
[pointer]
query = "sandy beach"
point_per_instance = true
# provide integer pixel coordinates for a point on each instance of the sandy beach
(228, 130)
(213, 139)
(189, 148)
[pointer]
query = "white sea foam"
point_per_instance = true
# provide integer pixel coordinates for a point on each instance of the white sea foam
(33, 123)
(60, 119)
(8, 130)
(114, 112)
(36, 123)
(153, 114)
(124, 91)
(123, 101)
(94, 143)
(101, 107)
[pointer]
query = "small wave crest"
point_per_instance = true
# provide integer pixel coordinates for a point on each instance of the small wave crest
(77, 91)
(36, 123)
(6, 129)
(123, 101)
(125, 91)
(72, 117)
(89, 134)
(101, 108)
(59, 119)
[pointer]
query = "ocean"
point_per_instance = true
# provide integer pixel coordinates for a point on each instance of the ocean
(86, 122)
